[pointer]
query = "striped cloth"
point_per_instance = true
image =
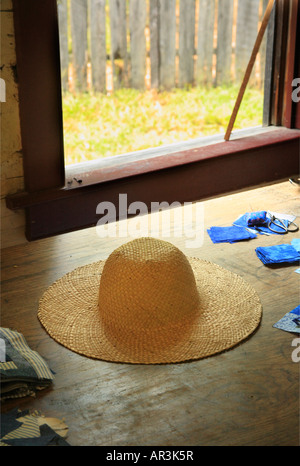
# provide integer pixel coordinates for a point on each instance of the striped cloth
(17, 424)
(22, 428)
(22, 370)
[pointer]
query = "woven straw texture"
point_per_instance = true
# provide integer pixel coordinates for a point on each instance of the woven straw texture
(150, 304)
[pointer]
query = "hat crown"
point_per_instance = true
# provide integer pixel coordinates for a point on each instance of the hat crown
(148, 286)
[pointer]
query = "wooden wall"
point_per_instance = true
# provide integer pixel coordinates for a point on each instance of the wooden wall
(12, 180)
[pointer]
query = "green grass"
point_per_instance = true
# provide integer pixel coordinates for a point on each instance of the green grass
(98, 125)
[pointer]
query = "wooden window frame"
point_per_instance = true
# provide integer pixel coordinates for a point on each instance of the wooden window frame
(56, 201)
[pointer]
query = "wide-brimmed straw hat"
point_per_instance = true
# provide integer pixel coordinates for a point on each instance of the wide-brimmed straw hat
(150, 304)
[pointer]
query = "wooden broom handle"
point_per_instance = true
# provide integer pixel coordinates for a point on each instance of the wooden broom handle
(249, 69)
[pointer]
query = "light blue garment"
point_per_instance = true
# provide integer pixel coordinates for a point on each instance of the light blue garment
(290, 321)
(283, 253)
(296, 244)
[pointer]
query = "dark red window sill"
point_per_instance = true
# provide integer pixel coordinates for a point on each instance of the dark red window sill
(185, 176)
(83, 175)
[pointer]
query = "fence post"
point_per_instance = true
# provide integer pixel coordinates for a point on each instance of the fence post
(98, 44)
(186, 42)
(154, 43)
(224, 47)
(246, 33)
(205, 46)
(167, 46)
(79, 43)
(118, 40)
(137, 24)
(62, 10)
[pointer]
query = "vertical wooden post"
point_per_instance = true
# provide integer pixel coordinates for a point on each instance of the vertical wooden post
(205, 45)
(224, 47)
(291, 105)
(118, 31)
(98, 44)
(186, 42)
(38, 60)
(279, 63)
(79, 43)
(154, 43)
(167, 35)
(137, 24)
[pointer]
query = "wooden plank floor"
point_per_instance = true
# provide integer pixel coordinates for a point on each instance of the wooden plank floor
(246, 396)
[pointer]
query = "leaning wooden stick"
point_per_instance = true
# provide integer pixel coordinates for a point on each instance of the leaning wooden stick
(249, 69)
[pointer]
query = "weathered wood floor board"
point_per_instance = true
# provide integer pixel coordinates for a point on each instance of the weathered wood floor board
(246, 396)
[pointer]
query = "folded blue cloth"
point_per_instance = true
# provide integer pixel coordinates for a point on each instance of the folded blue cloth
(283, 253)
(229, 234)
(243, 220)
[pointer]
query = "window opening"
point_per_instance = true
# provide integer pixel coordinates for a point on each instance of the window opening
(140, 74)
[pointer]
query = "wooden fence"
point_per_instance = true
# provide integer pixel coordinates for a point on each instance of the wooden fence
(161, 44)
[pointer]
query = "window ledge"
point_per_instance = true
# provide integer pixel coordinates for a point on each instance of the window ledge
(94, 174)
(171, 155)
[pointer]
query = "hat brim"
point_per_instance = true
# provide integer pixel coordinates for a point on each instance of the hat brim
(230, 311)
